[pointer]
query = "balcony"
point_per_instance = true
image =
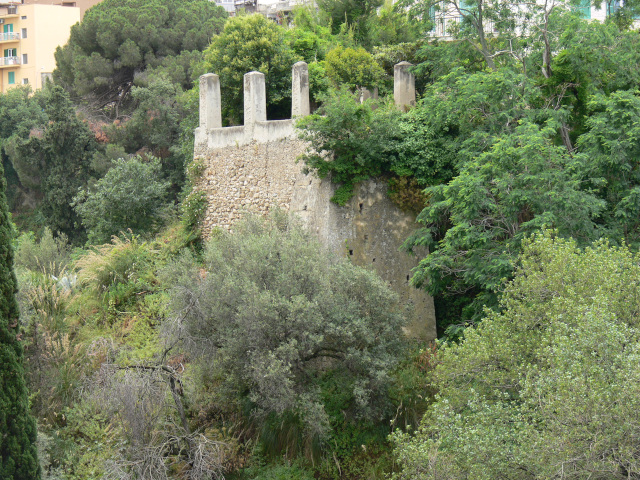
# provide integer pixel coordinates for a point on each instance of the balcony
(9, 61)
(9, 12)
(9, 37)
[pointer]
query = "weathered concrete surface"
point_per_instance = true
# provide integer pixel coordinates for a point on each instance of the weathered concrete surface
(300, 90)
(210, 106)
(404, 85)
(369, 230)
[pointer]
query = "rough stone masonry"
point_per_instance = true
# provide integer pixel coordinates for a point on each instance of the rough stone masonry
(253, 168)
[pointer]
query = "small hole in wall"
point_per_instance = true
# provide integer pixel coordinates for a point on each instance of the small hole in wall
(361, 205)
(304, 208)
(366, 237)
(407, 278)
(350, 252)
(310, 182)
(373, 261)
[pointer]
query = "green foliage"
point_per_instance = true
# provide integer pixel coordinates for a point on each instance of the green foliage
(391, 26)
(310, 39)
(18, 454)
(155, 126)
(387, 56)
(319, 84)
(349, 140)
(353, 14)
(122, 265)
(87, 440)
(524, 183)
(53, 356)
(251, 43)
(278, 314)
(119, 39)
(103, 160)
(130, 196)
(353, 68)
(543, 389)
(54, 159)
(48, 255)
(194, 207)
(612, 146)
(283, 471)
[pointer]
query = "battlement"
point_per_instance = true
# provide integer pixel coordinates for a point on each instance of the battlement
(254, 167)
(211, 133)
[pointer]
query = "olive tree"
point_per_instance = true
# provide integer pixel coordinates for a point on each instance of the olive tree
(271, 313)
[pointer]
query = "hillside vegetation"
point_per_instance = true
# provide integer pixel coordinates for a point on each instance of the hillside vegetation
(143, 351)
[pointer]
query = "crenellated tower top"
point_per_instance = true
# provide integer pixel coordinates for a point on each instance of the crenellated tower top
(211, 133)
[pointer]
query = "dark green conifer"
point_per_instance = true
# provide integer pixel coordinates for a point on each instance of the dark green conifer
(18, 454)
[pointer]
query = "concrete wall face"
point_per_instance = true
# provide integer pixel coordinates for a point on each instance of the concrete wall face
(253, 168)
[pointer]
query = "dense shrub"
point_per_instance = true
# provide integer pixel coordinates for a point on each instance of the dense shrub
(272, 313)
(130, 196)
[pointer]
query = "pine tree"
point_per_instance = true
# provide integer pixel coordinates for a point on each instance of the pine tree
(18, 454)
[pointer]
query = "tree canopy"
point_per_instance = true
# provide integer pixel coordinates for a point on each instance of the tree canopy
(130, 196)
(18, 453)
(546, 387)
(251, 43)
(53, 156)
(119, 40)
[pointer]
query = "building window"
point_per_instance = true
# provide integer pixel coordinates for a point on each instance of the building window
(24, 59)
(23, 17)
(11, 78)
(584, 9)
(24, 33)
(25, 81)
(613, 7)
(10, 52)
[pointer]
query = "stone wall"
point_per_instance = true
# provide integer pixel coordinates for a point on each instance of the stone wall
(253, 177)
(253, 168)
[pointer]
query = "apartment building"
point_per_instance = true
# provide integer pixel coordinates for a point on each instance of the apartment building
(83, 5)
(29, 35)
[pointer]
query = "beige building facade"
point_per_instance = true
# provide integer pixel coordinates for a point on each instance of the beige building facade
(83, 5)
(29, 35)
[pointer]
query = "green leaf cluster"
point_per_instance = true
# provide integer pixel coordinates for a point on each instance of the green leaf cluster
(545, 387)
(131, 195)
(353, 68)
(350, 140)
(118, 40)
(52, 154)
(271, 313)
(18, 454)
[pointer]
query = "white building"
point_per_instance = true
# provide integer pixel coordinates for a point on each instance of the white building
(449, 14)
(273, 9)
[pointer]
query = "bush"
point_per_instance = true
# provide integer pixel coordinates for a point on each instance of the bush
(272, 313)
(353, 68)
(130, 196)
(48, 255)
(545, 387)
(351, 141)
(125, 265)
